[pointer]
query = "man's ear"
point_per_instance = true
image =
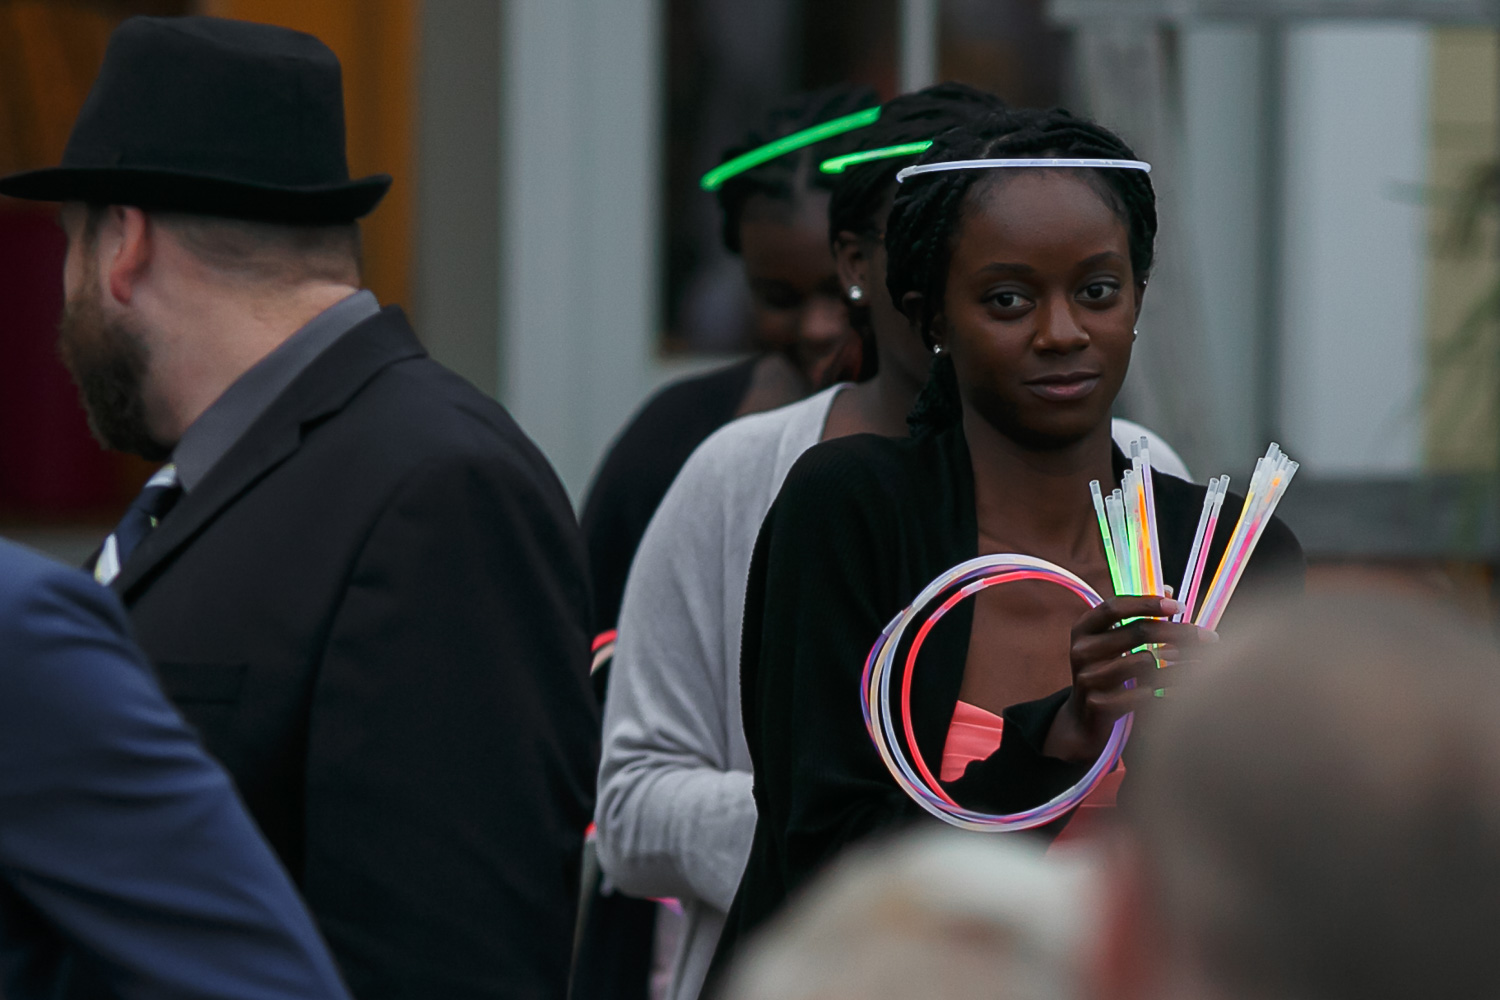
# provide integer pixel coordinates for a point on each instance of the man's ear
(852, 263)
(127, 250)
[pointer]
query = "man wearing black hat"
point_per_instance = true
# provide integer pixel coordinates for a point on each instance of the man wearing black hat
(355, 576)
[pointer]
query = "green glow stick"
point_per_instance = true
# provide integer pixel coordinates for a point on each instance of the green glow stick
(715, 178)
(1115, 507)
(1109, 543)
(838, 164)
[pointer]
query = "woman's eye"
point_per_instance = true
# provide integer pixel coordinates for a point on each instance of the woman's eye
(1099, 291)
(1007, 301)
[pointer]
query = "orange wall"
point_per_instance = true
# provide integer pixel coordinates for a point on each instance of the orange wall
(376, 40)
(49, 56)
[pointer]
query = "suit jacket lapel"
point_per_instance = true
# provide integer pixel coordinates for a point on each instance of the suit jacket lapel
(326, 387)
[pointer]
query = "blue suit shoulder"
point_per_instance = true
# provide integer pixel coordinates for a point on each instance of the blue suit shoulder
(22, 571)
(40, 597)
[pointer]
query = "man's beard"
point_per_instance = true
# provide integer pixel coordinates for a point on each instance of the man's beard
(108, 360)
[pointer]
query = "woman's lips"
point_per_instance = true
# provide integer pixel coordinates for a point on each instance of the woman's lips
(1063, 388)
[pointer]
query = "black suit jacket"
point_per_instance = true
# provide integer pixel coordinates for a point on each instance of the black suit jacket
(374, 609)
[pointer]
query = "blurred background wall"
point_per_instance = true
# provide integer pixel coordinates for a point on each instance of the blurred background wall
(1326, 168)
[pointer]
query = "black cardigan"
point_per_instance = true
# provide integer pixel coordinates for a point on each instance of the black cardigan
(862, 524)
(640, 467)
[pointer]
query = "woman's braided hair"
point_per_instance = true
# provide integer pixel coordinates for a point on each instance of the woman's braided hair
(786, 177)
(924, 223)
(859, 193)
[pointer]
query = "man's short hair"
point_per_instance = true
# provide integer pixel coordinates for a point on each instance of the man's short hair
(261, 252)
(1320, 815)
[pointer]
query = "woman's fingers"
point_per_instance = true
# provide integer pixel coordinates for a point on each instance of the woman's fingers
(1141, 632)
(1106, 616)
(1107, 706)
(1147, 670)
(1117, 609)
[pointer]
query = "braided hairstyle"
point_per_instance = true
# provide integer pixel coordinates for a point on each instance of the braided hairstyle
(928, 212)
(859, 193)
(787, 177)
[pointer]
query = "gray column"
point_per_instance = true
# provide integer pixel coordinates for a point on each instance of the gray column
(581, 113)
(457, 299)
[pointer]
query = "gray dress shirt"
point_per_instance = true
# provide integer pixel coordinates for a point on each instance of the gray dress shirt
(214, 432)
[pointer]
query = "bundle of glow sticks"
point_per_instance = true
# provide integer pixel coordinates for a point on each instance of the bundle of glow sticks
(1273, 474)
(1127, 521)
(1128, 527)
(1127, 524)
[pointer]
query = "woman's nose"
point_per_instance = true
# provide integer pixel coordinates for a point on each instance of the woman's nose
(1058, 330)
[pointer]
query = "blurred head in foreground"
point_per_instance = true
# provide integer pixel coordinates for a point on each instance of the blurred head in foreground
(939, 915)
(1319, 816)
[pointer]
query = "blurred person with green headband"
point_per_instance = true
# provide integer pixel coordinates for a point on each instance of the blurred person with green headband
(773, 204)
(775, 219)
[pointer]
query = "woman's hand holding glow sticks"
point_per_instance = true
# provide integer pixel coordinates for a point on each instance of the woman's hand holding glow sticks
(1113, 674)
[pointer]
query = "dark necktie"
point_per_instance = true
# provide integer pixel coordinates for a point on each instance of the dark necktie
(161, 492)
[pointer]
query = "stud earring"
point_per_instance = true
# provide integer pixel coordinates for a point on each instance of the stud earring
(856, 294)
(937, 349)
(1135, 333)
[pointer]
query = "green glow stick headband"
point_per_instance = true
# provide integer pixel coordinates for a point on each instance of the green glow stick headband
(715, 178)
(838, 164)
(997, 164)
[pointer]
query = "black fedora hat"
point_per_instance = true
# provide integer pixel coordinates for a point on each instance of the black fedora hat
(213, 117)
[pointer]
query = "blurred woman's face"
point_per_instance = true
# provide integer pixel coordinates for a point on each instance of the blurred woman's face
(1040, 306)
(799, 308)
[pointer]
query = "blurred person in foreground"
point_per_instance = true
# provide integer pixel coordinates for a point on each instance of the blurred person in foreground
(934, 916)
(127, 862)
(1318, 817)
(356, 577)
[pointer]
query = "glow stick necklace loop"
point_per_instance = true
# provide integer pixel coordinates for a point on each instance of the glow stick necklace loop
(1128, 530)
(903, 758)
(1048, 163)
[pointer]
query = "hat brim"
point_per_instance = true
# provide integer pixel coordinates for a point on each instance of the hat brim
(171, 191)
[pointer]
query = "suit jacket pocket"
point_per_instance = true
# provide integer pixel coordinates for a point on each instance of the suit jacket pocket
(207, 695)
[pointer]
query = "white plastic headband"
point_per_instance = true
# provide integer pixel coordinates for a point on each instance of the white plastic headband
(932, 168)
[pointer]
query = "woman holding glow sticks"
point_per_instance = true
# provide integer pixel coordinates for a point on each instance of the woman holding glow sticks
(675, 813)
(1027, 284)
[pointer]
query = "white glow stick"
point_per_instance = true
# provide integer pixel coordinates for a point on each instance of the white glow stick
(1046, 163)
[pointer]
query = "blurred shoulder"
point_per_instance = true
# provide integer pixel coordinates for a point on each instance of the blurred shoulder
(684, 412)
(49, 611)
(26, 576)
(711, 390)
(760, 439)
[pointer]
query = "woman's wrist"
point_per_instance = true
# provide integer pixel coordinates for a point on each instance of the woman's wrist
(1072, 735)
